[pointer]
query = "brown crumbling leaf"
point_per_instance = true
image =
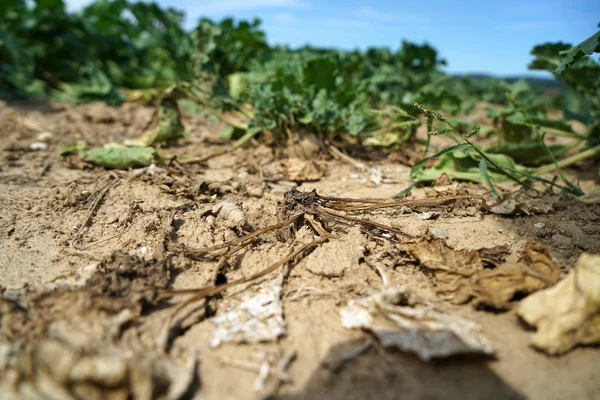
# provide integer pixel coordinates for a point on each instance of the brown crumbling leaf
(399, 318)
(464, 275)
(524, 202)
(567, 314)
(298, 170)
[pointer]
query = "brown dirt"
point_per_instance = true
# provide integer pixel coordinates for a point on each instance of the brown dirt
(121, 255)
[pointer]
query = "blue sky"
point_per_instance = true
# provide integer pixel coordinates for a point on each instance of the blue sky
(473, 36)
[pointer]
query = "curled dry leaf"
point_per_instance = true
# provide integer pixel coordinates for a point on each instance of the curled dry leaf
(399, 318)
(298, 170)
(54, 369)
(568, 313)
(231, 213)
(497, 287)
(251, 317)
(524, 202)
(464, 275)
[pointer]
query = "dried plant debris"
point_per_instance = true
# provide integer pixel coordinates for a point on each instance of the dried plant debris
(297, 170)
(64, 340)
(55, 369)
(567, 314)
(129, 277)
(399, 318)
(464, 275)
(229, 212)
(526, 202)
(254, 315)
(299, 209)
(592, 197)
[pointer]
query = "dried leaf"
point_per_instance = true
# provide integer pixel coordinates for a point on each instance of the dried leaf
(465, 275)
(438, 256)
(229, 212)
(298, 170)
(524, 202)
(399, 318)
(251, 317)
(567, 314)
(442, 180)
(497, 287)
(592, 197)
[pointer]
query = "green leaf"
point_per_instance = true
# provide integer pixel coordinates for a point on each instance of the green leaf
(465, 166)
(120, 158)
(576, 53)
(66, 149)
(526, 153)
(486, 177)
(419, 165)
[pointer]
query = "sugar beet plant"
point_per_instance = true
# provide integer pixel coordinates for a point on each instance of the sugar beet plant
(119, 50)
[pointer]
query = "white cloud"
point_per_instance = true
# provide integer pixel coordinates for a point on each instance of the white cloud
(373, 14)
(225, 6)
(284, 17)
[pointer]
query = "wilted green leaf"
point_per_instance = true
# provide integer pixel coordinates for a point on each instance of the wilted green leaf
(165, 127)
(120, 157)
(66, 149)
(465, 166)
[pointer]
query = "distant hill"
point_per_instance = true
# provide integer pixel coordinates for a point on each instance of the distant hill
(535, 82)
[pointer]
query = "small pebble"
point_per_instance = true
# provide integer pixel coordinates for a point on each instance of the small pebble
(38, 146)
(425, 215)
(438, 233)
(539, 225)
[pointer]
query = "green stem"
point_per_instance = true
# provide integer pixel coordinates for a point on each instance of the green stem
(575, 158)
(237, 144)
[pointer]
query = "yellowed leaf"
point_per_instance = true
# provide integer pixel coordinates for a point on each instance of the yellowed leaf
(567, 314)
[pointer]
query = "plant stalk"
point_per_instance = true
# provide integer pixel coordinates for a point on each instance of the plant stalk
(575, 158)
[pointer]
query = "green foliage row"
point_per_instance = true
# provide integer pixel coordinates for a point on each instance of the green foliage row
(87, 56)
(372, 98)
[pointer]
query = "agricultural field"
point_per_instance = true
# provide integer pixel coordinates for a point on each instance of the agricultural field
(200, 215)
